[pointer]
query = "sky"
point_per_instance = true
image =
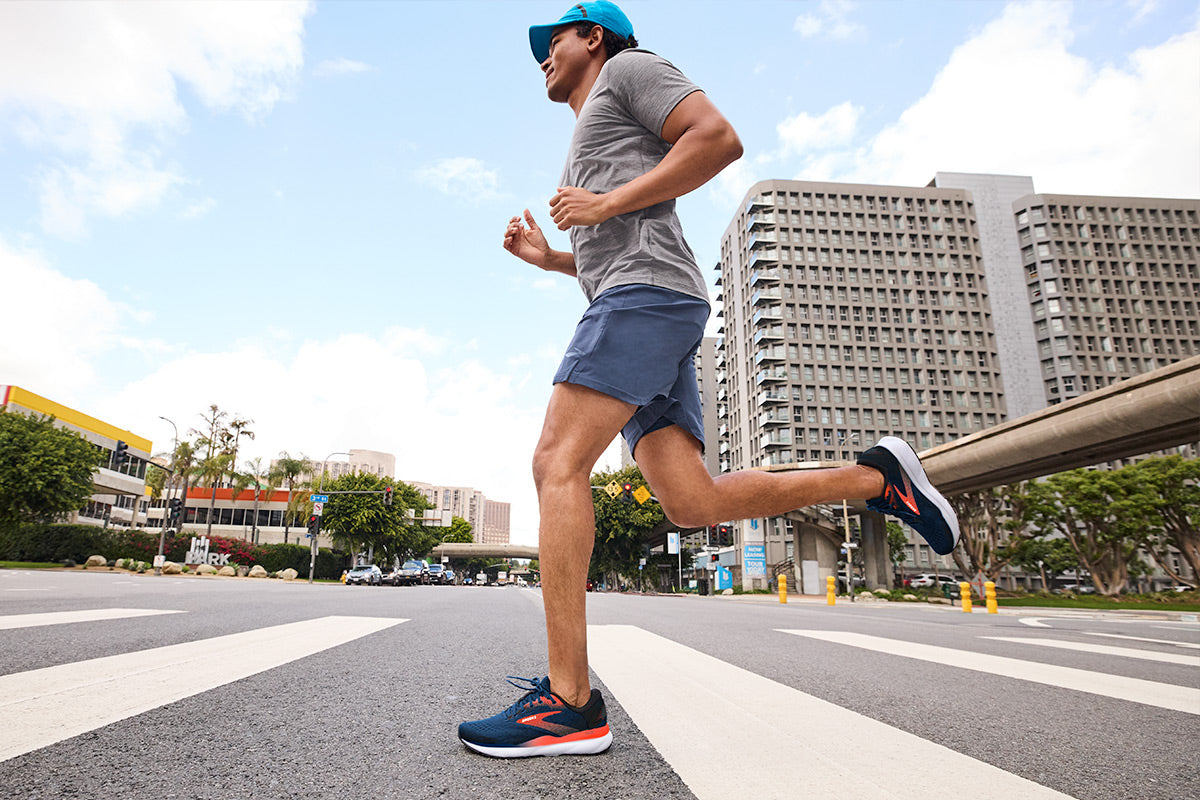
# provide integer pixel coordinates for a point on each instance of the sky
(295, 210)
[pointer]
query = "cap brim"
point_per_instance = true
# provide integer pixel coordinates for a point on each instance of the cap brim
(539, 40)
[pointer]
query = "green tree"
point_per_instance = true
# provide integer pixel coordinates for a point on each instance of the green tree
(983, 520)
(622, 524)
(897, 544)
(1173, 517)
(287, 474)
(359, 518)
(1102, 514)
(45, 471)
(1049, 557)
(459, 532)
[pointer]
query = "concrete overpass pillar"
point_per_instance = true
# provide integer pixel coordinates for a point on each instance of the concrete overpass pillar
(877, 567)
(816, 557)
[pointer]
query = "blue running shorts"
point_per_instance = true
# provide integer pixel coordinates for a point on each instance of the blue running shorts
(636, 343)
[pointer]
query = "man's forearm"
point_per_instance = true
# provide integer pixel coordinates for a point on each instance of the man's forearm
(559, 261)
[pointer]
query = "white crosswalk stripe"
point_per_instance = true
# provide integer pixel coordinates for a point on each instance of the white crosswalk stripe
(1085, 647)
(44, 706)
(1162, 695)
(12, 621)
(661, 684)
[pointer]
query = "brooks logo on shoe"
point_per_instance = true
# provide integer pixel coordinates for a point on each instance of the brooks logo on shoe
(894, 495)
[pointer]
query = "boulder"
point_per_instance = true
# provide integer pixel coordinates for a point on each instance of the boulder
(171, 568)
(910, 597)
(257, 572)
(227, 571)
(206, 569)
(727, 592)
(289, 574)
(97, 561)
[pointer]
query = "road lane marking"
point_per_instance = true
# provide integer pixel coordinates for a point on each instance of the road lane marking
(11, 621)
(1162, 695)
(728, 732)
(44, 706)
(1034, 622)
(1103, 649)
(1187, 645)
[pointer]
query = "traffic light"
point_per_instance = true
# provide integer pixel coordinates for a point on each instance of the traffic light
(627, 492)
(120, 454)
(387, 496)
(314, 524)
(176, 508)
(724, 536)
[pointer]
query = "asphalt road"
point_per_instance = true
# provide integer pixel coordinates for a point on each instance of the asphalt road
(354, 712)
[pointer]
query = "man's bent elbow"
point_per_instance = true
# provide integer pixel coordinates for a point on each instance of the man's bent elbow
(731, 146)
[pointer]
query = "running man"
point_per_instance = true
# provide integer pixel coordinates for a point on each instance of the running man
(644, 135)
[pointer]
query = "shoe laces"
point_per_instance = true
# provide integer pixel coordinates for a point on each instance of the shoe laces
(534, 693)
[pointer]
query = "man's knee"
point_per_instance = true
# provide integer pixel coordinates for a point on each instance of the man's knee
(688, 510)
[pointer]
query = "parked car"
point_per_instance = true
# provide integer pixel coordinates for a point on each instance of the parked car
(450, 576)
(413, 572)
(392, 577)
(1182, 587)
(366, 574)
(923, 581)
(1076, 588)
(437, 574)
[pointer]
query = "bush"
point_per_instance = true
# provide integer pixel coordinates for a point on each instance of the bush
(47, 543)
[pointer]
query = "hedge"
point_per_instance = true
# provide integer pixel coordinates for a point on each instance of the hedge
(56, 543)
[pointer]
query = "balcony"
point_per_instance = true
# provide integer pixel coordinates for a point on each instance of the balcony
(774, 395)
(767, 275)
(764, 256)
(770, 312)
(770, 354)
(760, 238)
(775, 439)
(765, 295)
(758, 202)
(723, 430)
(772, 333)
(777, 458)
(759, 219)
(773, 417)
(771, 375)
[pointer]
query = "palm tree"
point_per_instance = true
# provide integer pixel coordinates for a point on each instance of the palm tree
(288, 471)
(210, 471)
(256, 470)
(239, 482)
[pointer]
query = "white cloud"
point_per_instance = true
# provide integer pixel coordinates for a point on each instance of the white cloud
(199, 208)
(830, 20)
(804, 133)
(462, 177)
(94, 86)
(1014, 99)
(55, 325)
(340, 66)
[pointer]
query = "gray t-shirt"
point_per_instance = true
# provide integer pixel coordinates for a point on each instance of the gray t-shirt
(616, 139)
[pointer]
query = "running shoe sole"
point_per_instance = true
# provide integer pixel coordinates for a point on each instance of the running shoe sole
(584, 743)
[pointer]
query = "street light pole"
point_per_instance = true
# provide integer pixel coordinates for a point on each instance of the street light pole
(162, 534)
(312, 560)
(846, 522)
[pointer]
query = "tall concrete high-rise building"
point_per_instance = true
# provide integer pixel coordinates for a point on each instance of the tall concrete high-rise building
(851, 312)
(856, 311)
(1113, 286)
(473, 506)
(496, 523)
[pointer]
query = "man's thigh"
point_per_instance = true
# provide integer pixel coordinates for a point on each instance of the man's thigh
(580, 423)
(672, 463)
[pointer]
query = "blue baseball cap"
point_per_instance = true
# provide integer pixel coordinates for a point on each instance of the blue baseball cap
(600, 12)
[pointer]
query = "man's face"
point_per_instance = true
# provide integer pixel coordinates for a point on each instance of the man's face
(567, 62)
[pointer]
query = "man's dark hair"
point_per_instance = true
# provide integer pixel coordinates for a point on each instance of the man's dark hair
(613, 43)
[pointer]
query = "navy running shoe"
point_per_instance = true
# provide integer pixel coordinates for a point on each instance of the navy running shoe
(540, 724)
(909, 495)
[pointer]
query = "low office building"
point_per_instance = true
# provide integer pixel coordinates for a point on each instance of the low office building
(120, 494)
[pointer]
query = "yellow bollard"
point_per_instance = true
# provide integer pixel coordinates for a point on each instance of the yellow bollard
(964, 594)
(783, 588)
(990, 591)
(830, 591)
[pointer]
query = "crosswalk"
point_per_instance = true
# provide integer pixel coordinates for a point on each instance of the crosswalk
(696, 710)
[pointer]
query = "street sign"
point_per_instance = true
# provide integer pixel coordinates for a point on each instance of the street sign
(613, 489)
(319, 498)
(318, 508)
(641, 494)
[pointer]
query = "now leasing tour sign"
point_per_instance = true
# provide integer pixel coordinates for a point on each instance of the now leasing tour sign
(198, 554)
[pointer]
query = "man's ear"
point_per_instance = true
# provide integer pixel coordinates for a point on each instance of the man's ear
(595, 39)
